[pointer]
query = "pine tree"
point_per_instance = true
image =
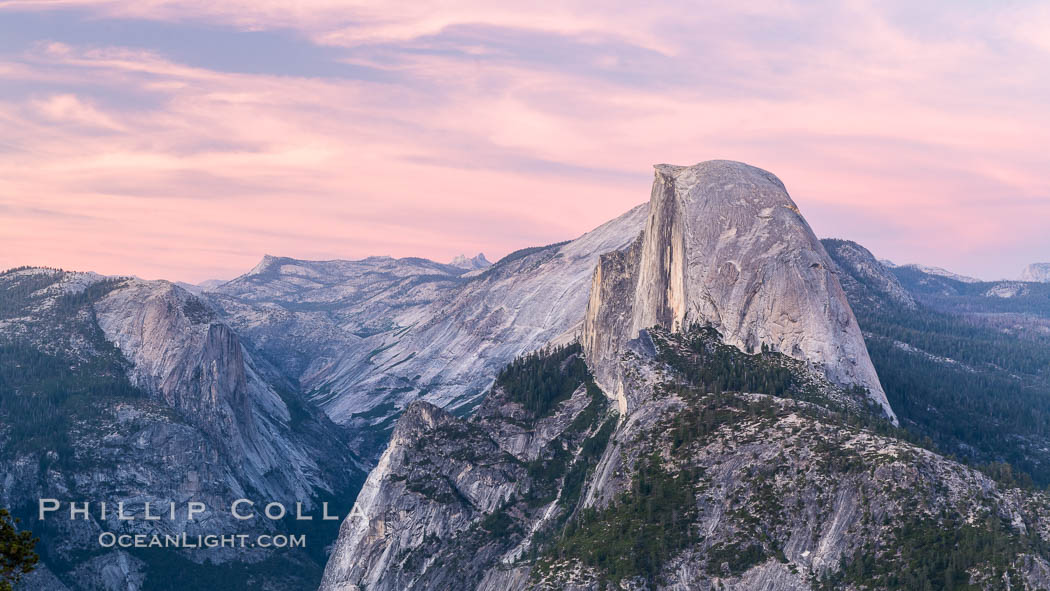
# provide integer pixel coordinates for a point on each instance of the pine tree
(16, 552)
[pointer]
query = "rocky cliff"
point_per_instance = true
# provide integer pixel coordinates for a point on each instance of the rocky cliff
(183, 355)
(725, 246)
(700, 486)
(368, 337)
(453, 500)
(121, 390)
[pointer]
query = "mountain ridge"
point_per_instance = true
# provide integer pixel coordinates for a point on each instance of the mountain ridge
(379, 333)
(650, 352)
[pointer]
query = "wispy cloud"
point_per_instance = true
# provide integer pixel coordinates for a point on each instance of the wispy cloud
(468, 126)
(71, 110)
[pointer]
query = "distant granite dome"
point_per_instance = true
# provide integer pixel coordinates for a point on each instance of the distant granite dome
(478, 262)
(1037, 272)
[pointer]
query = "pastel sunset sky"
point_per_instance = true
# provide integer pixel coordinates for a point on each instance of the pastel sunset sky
(183, 139)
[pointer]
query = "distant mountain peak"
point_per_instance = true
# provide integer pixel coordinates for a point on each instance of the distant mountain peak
(942, 272)
(471, 264)
(264, 265)
(1039, 272)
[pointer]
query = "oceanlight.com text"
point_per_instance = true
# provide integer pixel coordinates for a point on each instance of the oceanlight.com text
(111, 540)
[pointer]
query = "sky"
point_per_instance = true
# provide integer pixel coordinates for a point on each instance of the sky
(184, 139)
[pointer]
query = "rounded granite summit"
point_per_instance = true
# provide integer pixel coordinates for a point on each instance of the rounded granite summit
(714, 171)
(725, 246)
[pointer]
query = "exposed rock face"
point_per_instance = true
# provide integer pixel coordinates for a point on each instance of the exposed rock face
(725, 246)
(369, 337)
(150, 398)
(446, 490)
(1007, 289)
(1036, 272)
(439, 479)
(777, 494)
(185, 356)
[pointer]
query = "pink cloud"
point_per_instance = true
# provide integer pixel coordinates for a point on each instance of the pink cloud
(69, 109)
(904, 143)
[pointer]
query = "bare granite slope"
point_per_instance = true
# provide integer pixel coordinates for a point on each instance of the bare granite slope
(368, 337)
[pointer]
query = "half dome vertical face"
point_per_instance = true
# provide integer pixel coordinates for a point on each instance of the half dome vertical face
(725, 246)
(661, 290)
